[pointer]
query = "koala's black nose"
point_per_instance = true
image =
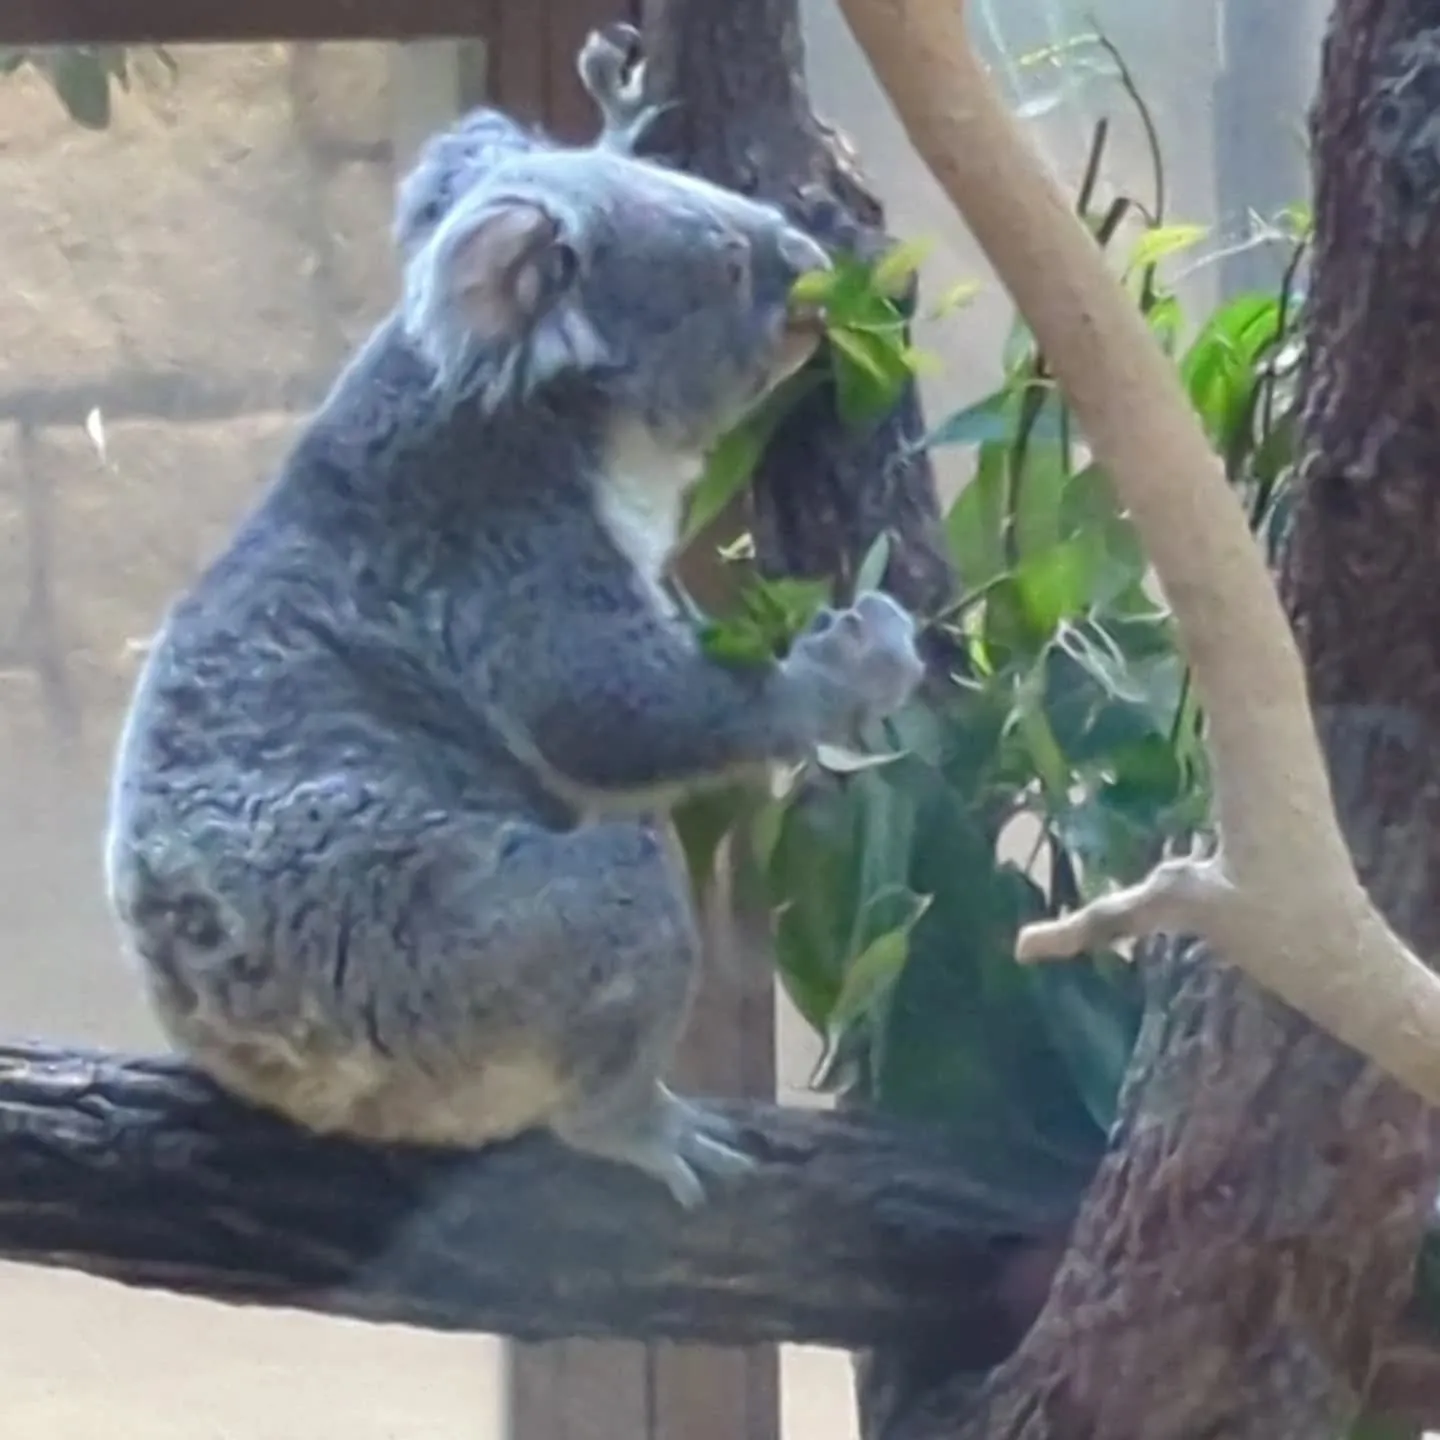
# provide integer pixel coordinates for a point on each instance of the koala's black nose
(800, 254)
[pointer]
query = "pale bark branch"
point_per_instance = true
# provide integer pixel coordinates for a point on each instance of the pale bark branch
(1282, 899)
(852, 1233)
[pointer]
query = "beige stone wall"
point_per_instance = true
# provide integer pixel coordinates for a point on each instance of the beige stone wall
(200, 262)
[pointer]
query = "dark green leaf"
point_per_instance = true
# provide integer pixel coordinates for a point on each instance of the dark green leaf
(703, 820)
(871, 372)
(962, 1042)
(1092, 1015)
(780, 608)
(976, 522)
(992, 421)
(732, 462)
(82, 82)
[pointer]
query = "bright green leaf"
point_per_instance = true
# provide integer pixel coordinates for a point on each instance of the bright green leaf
(892, 274)
(955, 298)
(736, 641)
(1160, 241)
(1055, 584)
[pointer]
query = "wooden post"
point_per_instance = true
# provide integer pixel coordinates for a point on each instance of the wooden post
(590, 1390)
(444, 52)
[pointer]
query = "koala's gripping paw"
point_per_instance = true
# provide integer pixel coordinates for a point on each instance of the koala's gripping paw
(678, 1143)
(611, 66)
(863, 661)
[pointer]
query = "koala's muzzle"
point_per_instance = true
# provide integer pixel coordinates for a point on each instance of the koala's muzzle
(804, 323)
(801, 254)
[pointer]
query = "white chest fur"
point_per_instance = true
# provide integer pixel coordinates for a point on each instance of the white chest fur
(642, 499)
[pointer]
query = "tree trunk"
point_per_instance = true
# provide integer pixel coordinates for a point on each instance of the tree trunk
(743, 119)
(1243, 1256)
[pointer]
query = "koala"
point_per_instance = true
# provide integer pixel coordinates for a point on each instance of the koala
(388, 835)
(613, 73)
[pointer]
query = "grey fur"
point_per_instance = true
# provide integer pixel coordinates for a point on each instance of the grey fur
(610, 68)
(386, 830)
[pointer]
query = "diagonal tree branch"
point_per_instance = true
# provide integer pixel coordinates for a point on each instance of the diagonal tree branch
(1282, 899)
(853, 1233)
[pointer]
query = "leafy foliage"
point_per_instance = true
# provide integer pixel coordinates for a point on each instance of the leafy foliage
(1060, 755)
(82, 75)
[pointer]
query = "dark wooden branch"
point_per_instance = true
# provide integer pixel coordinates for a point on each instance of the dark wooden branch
(852, 1233)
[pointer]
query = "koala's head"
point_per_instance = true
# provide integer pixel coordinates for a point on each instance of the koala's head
(451, 162)
(665, 297)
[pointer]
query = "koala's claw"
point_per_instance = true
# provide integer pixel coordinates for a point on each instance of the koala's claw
(867, 653)
(676, 1142)
(611, 66)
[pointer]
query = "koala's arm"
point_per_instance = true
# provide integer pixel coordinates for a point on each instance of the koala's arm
(621, 703)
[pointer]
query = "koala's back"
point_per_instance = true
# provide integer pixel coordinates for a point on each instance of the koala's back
(298, 765)
(301, 652)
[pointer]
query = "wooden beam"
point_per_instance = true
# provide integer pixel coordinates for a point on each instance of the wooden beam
(851, 1232)
(134, 22)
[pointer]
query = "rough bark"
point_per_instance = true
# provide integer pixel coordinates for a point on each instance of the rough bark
(852, 1232)
(823, 492)
(1242, 1257)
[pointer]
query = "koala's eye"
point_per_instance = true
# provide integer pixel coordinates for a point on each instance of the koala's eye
(735, 258)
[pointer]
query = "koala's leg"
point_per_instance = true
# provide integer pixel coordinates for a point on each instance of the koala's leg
(440, 980)
(634, 935)
(585, 942)
(637, 1121)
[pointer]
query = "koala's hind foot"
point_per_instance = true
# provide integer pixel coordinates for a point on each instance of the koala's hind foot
(679, 1143)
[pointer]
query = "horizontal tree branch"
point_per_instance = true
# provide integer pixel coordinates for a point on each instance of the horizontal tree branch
(852, 1233)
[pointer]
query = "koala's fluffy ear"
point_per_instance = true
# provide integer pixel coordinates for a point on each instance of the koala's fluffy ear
(508, 269)
(492, 300)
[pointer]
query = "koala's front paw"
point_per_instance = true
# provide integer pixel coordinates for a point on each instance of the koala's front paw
(863, 662)
(611, 64)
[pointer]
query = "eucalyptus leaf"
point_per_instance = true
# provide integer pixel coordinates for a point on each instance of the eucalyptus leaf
(81, 79)
(732, 462)
(962, 1042)
(878, 965)
(991, 420)
(840, 761)
(1092, 1016)
(896, 268)
(872, 568)
(1161, 241)
(736, 641)
(975, 523)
